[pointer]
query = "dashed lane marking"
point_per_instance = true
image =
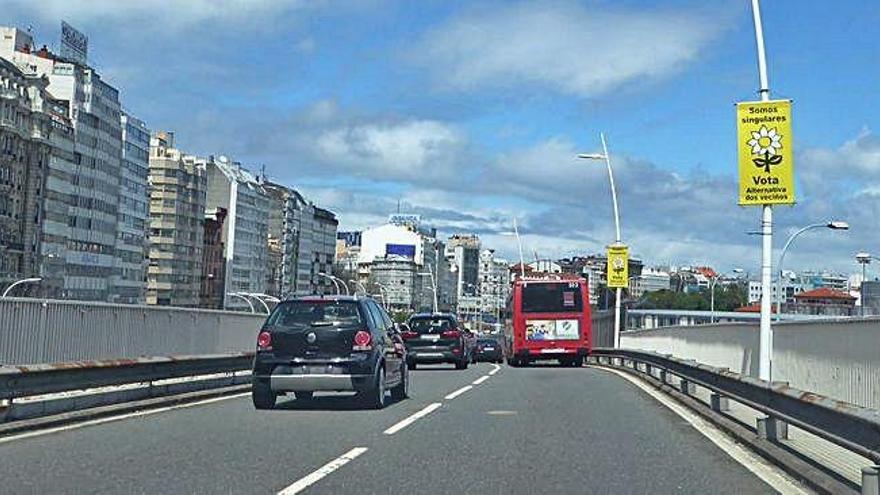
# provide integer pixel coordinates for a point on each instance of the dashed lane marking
(322, 472)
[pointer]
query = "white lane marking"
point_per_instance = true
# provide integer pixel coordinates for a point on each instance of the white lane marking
(458, 392)
(109, 419)
(481, 379)
(496, 370)
(751, 461)
(323, 471)
(413, 418)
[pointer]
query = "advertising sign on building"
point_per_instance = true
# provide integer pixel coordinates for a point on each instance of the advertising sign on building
(764, 145)
(74, 44)
(407, 250)
(405, 220)
(618, 266)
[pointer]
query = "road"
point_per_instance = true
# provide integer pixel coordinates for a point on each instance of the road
(518, 430)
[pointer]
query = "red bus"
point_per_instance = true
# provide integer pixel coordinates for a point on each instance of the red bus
(548, 319)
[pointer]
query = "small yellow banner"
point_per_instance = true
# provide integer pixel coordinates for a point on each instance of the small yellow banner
(764, 144)
(617, 271)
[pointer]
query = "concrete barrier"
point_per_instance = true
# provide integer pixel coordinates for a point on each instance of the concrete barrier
(48, 331)
(839, 358)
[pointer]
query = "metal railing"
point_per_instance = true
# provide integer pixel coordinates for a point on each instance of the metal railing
(849, 426)
(18, 382)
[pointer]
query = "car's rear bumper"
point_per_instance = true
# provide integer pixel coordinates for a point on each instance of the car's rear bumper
(488, 356)
(431, 356)
(316, 382)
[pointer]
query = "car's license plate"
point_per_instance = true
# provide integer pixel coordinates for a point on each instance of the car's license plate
(488, 348)
(552, 351)
(431, 337)
(430, 354)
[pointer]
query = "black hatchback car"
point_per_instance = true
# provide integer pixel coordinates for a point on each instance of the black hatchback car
(329, 343)
(489, 349)
(438, 338)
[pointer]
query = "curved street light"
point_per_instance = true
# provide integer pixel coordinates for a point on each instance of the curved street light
(332, 279)
(236, 294)
(833, 225)
(21, 282)
(256, 296)
(359, 285)
(607, 158)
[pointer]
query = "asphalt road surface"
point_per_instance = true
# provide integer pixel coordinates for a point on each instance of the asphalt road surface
(515, 430)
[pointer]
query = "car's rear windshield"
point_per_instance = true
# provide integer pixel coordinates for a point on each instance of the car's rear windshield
(551, 298)
(487, 341)
(315, 313)
(430, 325)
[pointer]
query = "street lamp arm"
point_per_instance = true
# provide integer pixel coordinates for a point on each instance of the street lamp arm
(21, 282)
(613, 189)
(248, 301)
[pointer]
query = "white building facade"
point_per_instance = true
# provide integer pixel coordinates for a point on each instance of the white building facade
(129, 283)
(245, 232)
(82, 187)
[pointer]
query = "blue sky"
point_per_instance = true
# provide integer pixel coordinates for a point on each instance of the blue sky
(471, 113)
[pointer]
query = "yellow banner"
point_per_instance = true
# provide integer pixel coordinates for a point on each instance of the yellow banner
(764, 144)
(617, 271)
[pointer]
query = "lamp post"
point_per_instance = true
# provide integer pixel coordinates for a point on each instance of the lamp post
(332, 279)
(258, 298)
(358, 285)
(23, 281)
(430, 273)
(617, 241)
(833, 225)
(712, 292)
(522, 262)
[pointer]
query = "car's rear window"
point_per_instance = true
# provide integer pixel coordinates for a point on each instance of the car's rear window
(487, 341)
(310, 313)
(430, 325)
(551, 298)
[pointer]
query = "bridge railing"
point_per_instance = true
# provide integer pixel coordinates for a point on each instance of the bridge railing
(50, 331)
(852, 427)
(833, 357)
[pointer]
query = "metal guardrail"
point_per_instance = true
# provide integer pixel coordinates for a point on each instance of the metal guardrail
(847, 425)
(24, 381)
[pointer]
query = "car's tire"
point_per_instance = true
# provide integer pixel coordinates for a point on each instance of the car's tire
(304, 396)
(461, 365)
(578, 362)
(263, 395)
(401, 391)
(512, 362)
(412, 365)
(373, 396)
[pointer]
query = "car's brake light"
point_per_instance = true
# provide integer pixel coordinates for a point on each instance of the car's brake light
(362, 341)
(451, 334)
(409, 335)
(264, 341)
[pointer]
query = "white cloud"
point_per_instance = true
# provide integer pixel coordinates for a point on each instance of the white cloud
(574, 49)
(402, 151)
(148, 13)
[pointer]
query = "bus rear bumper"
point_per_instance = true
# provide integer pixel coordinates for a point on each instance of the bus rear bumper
(551, 353)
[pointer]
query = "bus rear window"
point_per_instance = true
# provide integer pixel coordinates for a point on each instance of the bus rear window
(551, 298)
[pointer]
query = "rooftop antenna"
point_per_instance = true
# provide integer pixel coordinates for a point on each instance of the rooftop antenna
(398, 206)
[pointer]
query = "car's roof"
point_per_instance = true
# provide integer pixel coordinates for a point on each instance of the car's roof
(329, 297)
(432, 315)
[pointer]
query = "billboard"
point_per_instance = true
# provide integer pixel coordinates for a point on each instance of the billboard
(405, 220)
(552, 330)
(74, 44)
(618, 266)
(764, 146)
(407, 250)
